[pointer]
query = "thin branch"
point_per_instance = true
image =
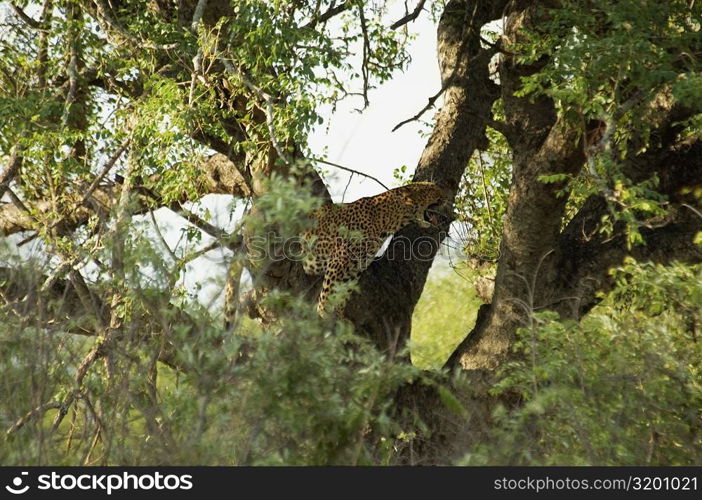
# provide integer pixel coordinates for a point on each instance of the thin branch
(694, 210)
(27, 19)
(197, 15)
(36, 412)
(197, 60)
(343, 195)
(122, 220)
(91, 189)
(346, 169)
(411, 16)
(10, 79)
(199, 252)
(105, 170)
(485, 190)
(430, 104)
(160, 237)
(98, 431)
(43, 42)
(366, 55)
(112, 24)
(68, 118)
(64, 406)
(449, 82)
(201, 224)
(331, 12)
(17, 201)
(86, 297)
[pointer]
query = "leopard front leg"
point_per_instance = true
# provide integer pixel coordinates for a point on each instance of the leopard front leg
(339, 270)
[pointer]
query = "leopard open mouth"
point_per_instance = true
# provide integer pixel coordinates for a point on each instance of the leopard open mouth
(432, 215)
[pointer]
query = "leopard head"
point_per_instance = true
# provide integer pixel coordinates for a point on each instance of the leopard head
(426, 197)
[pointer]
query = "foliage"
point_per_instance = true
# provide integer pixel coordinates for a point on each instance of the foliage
(482, 201)
(620, 65)
(313, 393)
(127, 98)
(130, 85)
(621, 387)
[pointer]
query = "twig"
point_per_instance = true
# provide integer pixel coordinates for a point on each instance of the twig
(39, 410)
(98, 431)
(27, 19)
(336, 165)
(485, 191)
(85, 296)
(201, 224)
(197, 253)
(411, 16)
(91, 189)
(331, 12)
(72, 68)
(105, 170)
(432, 100)
(63, 408)
(163, 241)
(694, 210)
(197, 60)
(112, 24)
(17, 201)
(93, 444)
(43, 41)
(366, 54)
(494, 48)
(197, 15)
(604, 145)
(343, 195)
(499, 126)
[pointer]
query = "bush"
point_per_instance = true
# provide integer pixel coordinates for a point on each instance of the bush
(163, 382)
(622, 387)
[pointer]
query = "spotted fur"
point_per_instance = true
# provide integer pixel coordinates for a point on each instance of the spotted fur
(347, 236)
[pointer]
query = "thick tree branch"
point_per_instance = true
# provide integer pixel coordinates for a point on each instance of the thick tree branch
(219, 176)
(574, 263)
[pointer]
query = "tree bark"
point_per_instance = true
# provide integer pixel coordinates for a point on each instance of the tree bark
(392, 285)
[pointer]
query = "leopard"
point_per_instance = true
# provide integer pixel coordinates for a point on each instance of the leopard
(344, 238)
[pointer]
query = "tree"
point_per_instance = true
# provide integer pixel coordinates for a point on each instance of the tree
(596, 106)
